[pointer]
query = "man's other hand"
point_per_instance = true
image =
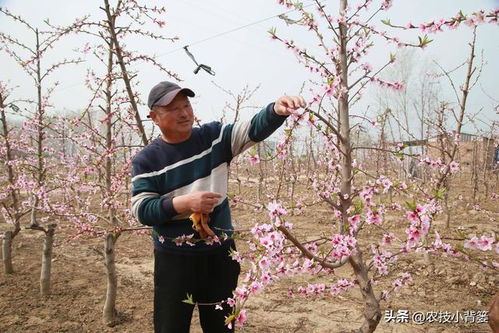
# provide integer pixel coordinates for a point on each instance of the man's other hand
(198, 202)
(285, 105)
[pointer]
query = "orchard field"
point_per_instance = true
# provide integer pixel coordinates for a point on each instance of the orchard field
(373, 208)
(79, 283)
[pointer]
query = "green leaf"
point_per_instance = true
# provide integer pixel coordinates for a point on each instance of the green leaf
(231, 252)
(229, 319)
(272, 31)
(358, 206)
(189, 300)
(439, 194)
(236, 236)
(424, 41)
(411, 205)
(461, 234)
(387, 22)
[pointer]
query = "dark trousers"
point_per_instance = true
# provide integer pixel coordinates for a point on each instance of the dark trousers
(209, 278)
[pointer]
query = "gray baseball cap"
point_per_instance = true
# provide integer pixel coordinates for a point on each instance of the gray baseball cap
(164, 92)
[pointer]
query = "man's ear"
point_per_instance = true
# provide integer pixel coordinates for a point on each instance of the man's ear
(152, 115)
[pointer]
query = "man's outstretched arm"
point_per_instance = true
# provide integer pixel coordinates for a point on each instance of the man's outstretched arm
(245, 134)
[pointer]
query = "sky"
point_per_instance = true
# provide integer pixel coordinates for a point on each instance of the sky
(245, 56)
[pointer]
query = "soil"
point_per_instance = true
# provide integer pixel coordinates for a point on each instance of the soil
(79, 284)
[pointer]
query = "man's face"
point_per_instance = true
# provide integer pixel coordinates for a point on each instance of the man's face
(175, 120)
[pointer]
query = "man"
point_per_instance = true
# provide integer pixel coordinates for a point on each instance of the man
(185, 171)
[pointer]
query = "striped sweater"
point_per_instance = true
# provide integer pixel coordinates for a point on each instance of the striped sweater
(162, 171)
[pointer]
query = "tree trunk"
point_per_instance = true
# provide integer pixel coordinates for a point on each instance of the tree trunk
(259, 193)
(475, 164)
(109, 313)
(40, 131)
(372, 312)
(446, 186)
(47, 260)
(7, 253)
(344, 124)
(111, 18)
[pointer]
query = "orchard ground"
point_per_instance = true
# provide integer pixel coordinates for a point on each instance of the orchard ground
(79, 282)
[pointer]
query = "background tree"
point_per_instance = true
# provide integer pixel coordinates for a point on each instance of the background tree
(35, 129)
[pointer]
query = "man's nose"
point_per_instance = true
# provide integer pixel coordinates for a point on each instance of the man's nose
(184, 112)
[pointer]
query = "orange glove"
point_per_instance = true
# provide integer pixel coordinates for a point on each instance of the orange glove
(200, 224)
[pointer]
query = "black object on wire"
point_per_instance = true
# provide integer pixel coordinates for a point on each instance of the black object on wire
(200, 66)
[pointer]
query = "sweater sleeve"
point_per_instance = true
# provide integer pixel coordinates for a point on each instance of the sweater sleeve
(147, 205)
(245, 134)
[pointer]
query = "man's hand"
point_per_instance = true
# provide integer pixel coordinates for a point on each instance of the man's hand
(198, 202)
(285, 105)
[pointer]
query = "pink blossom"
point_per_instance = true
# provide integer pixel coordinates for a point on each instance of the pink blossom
(255, 286)
(387, 239)
(367, 67)
(396, 284)
(212, 240)
(231, 302)
(241, 318)
(387, 184)
(471, 243)
(354, 222)
(386, 4)
(342, 245)
(437, 243)
(413, 235)
(420, 209)
(282, 154)
(485, 243)
(241, 293)
(275, 210)
(454, 166)
(263, 263)
(237, 256)
(373, 218)
(184, 239)
(366, 193)
(254, 159)
(395, 206)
